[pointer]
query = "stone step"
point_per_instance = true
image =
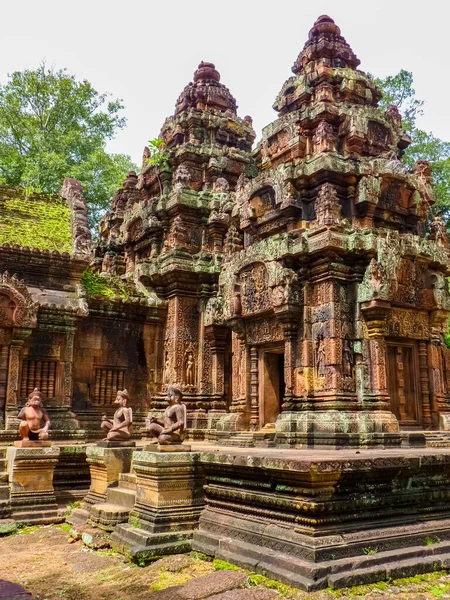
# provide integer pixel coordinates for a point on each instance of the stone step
(107, 515)
(127, 481)
(121, 496)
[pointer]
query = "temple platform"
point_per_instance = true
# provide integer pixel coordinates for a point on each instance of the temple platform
(317, 519)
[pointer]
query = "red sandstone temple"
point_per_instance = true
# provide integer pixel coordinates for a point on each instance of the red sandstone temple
(293, 292)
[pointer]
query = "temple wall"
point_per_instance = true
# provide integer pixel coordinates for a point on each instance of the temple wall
(111, 354)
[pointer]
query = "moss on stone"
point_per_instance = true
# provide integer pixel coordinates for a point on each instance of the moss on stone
(106, 286)
(36, 221)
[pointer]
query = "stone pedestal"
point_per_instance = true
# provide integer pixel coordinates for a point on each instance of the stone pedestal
(32, 495)
(169, 500)
(106, 465)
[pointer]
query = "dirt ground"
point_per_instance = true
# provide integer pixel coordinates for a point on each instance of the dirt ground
(46, 565)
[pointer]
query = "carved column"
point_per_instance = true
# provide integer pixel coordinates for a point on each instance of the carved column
(217, 336)
(19, 337)
(254, 388)
(375, 313)
(424, 384)
(68, 361)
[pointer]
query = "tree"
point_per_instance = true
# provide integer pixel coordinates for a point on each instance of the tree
(53, 126)
(398, 89)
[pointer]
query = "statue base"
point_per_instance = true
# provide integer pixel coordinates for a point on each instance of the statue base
(167, 448)
(116, 444)
(105, 465)
(32, 494)
(32, 444)
(169, 489)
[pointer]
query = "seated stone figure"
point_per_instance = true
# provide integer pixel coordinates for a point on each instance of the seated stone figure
(171, 429)
(120, 427)
(31, 416)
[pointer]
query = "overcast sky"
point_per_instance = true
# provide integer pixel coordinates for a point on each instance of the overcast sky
(145, 52)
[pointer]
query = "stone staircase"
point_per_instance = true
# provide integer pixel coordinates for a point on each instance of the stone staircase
(119, 503)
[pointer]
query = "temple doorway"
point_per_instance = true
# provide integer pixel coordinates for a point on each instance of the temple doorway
(272, 386)
(403, 383)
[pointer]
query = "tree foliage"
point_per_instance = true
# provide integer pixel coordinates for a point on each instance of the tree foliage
(398, 89)
(53, 126)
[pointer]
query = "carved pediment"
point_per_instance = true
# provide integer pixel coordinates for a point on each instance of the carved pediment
(17, 308)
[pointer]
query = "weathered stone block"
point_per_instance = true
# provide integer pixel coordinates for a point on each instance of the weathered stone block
(169, 500)
(32, 495)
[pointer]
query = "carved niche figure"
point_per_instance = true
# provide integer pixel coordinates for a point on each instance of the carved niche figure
(347, 359)
(320, 356)
(221, 186)
(324, 138)
(255, 292)
(189, 365)
(166, 375)
(328, 209)
(422, 169)
(171, 429)
(286, 290)
(179, 236)
(182, 179)
(120, 427)
(31, 416)
(376, 277)
(439, 232)
(393, 115)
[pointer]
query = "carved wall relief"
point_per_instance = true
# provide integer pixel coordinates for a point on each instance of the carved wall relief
(255, 292)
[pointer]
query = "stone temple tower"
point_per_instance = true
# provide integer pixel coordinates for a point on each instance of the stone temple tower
(299, 294)
(338, 300)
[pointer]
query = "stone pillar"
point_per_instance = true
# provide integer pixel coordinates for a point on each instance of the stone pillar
(12, 408)
(375, 313)
(169, 501)
(254, 388)
(424, 384)
(68, 360)
(32, 494)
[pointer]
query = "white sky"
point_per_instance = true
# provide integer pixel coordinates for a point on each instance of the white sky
(145, 52)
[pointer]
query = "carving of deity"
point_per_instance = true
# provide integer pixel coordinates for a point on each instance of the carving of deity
(189, 365)
(233, 241)
(320, 356)
(214, 311)
(182, 179)
(393, 115)
(179, 236)
(422, 169)
(347, 359)
(286, 290)
(221, 186)
(328, 209)
(166, 374)
(324, 138)
(109, 263)
(241, 182)
(376, 277)
(439, 232)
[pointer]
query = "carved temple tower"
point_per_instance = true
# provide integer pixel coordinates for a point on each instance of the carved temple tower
(338, 301)
(168, 230)
(305, 302)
